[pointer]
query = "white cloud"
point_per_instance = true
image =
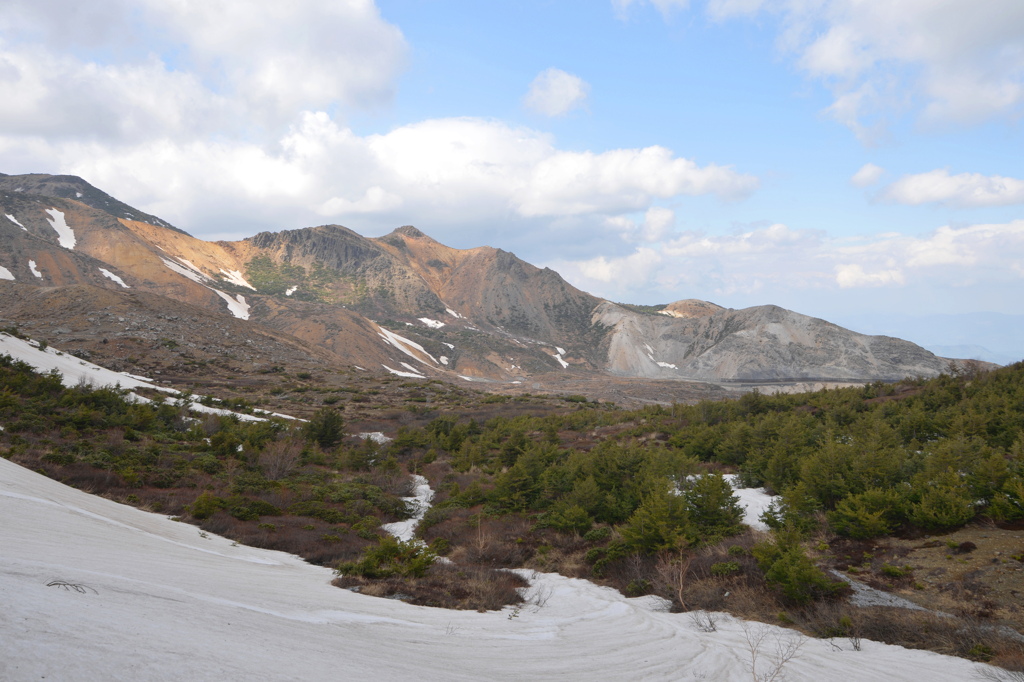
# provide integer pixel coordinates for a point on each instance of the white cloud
(240, 69)
(555, 93)
(779, 263)
(966, 190)
(449, 174)
(957, 61)
(853, 275)
(283, 57)
(868, 174)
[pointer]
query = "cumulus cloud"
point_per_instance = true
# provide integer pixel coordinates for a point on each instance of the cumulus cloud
(868, 174)
(456, 174)
(966, 190)
(959, 62)
(555, 93)
(236, 68)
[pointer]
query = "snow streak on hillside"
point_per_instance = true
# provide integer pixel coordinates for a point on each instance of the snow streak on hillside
(96, 590)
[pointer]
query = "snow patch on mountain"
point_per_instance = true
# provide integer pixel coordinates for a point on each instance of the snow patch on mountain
(192, 272)
(65, 235)
(34, 269)
(443, 358)
(111, 276)
(409, 375)
(453, 313)
(291, 290)
(6, 274)
(73, 370)
(405, 345)
(433, 324)
(237, 305)
(15, 221)
(236, 278)
(558, 356)
(207, 409)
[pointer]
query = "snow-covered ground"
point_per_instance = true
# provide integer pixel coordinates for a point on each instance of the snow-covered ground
(15, 221)
(405, 345)
(753, 500)
(94, 590)
(236, 278)
(74, 370)
(111, 276)
(418, 504)
(6, 274)
(410, 375)
(65, 235)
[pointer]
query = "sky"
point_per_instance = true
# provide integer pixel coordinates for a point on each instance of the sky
(841, 158)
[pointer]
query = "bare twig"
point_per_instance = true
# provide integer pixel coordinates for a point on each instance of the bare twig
(77, 587)
(765, 665)
(705, 621)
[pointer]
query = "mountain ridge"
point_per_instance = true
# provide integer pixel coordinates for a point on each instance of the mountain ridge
(409, 305)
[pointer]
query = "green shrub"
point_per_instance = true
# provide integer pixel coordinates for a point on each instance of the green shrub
(205, 506)
(787, 566)
(391, 557)
(867, 515)
(725, 568)
(896, 571)
(325, 427)
(598, 534)
(248, 509)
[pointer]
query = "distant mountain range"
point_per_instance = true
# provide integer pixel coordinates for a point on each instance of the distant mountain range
(402, 304)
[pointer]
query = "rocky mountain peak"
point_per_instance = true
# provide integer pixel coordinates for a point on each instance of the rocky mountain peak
(691, 308)
(410, 231)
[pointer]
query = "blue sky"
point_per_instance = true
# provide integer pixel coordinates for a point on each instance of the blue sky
(842, 158)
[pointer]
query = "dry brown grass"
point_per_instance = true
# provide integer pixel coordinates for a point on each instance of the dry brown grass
(446, 586)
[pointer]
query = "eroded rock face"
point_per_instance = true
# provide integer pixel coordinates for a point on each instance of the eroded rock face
(764, 343)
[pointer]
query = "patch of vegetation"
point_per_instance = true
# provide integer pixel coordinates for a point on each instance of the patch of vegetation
(278, 278)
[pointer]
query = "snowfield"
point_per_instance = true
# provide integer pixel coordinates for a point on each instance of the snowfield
(74, 370)
(6, 274)
(95, 590)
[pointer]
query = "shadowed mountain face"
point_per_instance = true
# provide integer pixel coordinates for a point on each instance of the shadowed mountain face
(406, 304)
